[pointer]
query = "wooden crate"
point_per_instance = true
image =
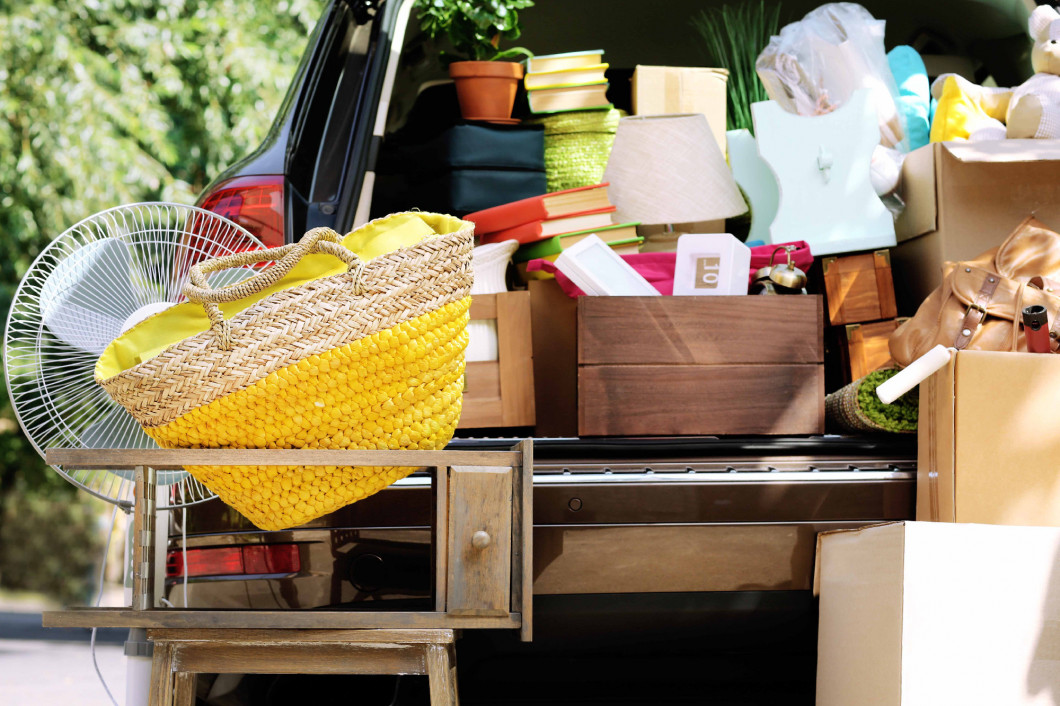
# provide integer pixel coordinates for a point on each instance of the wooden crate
(700, 365)
(859, 288)
(555, 333)
(500, 393)
(864, 347)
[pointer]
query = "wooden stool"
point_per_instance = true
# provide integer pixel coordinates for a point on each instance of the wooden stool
(483, 552)
(181, 654)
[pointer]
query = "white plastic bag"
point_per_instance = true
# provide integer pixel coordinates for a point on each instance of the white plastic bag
(815, 64)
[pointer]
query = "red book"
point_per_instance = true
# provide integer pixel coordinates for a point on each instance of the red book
(540, 208)
(539, 230)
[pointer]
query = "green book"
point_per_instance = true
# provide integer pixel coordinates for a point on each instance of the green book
(615, 235)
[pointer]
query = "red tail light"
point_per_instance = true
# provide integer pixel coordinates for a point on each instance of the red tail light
(249, 559)
(254, 202)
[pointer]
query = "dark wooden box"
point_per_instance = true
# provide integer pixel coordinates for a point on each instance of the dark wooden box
(859, 288)
(700, 365)
(554, 323)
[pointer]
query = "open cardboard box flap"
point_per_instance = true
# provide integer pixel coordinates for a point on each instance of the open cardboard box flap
(1004, 150)
(820, 539)
(963, 198)
(935, 179)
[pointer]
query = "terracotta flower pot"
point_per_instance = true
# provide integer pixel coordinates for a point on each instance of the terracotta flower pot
(486, 89)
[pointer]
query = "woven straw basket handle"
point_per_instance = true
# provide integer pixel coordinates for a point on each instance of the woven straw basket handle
(318, 240)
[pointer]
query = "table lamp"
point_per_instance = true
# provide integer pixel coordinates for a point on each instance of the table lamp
(666, 170)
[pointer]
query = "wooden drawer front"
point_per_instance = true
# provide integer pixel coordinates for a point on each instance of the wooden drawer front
(615, 400)
(859, 288)
(480, 541)
(700, 330)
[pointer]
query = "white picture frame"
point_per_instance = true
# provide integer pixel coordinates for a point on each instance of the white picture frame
(711, 264)
(599, 271)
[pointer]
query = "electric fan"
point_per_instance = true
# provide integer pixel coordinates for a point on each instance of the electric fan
(95, 281)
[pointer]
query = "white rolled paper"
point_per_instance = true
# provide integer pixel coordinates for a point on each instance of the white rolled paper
(916, 372)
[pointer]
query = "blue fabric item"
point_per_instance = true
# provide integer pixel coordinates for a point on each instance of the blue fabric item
(914, 93)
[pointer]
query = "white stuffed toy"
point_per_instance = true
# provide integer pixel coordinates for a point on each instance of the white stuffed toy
(1031, 109)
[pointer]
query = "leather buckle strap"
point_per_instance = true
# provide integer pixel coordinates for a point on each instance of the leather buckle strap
(976, 312)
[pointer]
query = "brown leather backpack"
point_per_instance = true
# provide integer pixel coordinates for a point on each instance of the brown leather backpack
(980, 302)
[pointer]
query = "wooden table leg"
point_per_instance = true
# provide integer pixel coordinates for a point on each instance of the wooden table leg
(143, 544)
(184, 690)
(162, 675)
(441, 673)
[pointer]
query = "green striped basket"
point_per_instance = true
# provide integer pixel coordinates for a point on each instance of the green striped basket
(577, 145)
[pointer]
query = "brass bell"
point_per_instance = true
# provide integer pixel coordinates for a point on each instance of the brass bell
(779, 279)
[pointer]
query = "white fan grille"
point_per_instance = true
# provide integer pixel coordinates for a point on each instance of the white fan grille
(95, 279)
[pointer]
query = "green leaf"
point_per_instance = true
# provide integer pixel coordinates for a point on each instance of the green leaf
(472, 27)
(733, 36)
(104, 102)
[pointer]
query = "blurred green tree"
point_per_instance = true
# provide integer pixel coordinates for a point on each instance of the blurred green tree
(104, 102)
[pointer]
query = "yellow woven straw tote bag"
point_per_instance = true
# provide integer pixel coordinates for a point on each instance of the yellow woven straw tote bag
(324, 349)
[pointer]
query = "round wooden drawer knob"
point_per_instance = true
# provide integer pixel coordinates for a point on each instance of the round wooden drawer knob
(480, 540)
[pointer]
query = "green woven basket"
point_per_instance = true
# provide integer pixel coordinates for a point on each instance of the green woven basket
(855, 407)
(577, 145)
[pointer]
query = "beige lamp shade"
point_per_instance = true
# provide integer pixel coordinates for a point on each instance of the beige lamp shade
(667, 169)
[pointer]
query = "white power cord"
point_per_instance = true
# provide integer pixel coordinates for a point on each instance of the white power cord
(102, 575)
(99, 599)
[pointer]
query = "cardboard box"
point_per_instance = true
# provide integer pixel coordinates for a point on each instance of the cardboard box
(700, 365)
(663, 90)
(928, 614)
(989, 441)
(963, 198)
(859, 288)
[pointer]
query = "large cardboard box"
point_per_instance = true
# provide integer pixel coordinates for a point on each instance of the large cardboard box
(989, 441)
(963, 198)
(661, 90)
(929, 614)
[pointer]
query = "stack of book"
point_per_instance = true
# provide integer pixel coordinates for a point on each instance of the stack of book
(557, 83)
(547, 225)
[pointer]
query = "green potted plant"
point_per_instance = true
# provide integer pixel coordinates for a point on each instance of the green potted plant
(486, 81)
(733, 37)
